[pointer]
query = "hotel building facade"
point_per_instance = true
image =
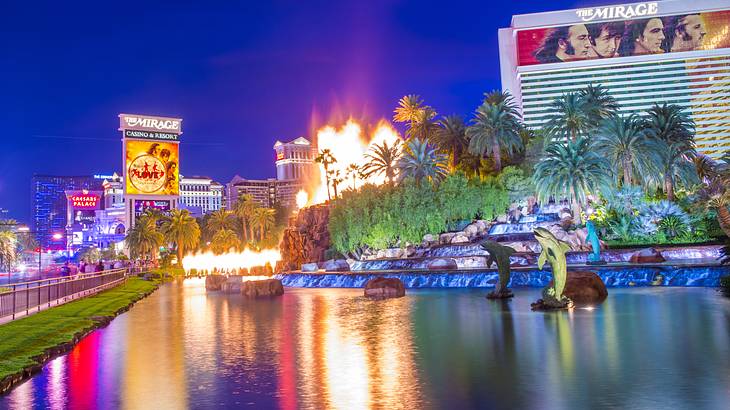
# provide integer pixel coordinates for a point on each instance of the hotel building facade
(674, 52)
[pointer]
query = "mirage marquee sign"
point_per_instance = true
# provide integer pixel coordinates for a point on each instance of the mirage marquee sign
(618, 12)
(136, 122)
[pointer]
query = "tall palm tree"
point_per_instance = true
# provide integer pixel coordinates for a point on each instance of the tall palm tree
(382, 160)
(182, 229)
(451, 138)
(218, 220)
(336, 178)
(424, 125)
(571, 169)
(570, 117)
(264, 218)
(623, 141)
(8, 250)
(408, 108)
(144, 238)
(242, 210)
(326, 158)
(495, 127)
(421, 161)
(224, 240)
(670, 123)
(600, 104)
(676, 166)
(353, 171)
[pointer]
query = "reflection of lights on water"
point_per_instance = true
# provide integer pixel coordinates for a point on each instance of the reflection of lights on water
(588, 308)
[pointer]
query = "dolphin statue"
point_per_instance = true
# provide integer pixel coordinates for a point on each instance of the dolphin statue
(553, 252)
(499, 254)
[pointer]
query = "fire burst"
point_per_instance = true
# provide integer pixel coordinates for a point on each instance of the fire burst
(231, 261)
(348, 145)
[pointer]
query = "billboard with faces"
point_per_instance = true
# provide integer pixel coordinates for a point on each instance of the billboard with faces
(588, 40)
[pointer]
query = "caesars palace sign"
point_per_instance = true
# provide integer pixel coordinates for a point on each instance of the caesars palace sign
(618, 12)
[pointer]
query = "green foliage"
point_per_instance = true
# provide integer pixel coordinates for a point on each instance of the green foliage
(382, 216)
(673, 226)
(518, 185)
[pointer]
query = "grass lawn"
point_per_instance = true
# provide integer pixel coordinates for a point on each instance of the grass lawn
(23, 339)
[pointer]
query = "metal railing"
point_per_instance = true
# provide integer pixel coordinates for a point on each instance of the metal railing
(21, 299)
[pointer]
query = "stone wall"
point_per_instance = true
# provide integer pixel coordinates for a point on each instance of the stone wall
(305, 239)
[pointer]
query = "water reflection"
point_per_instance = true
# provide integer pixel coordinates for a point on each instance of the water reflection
(332, 348)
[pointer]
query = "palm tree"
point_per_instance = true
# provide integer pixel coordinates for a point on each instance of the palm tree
(326, 158)
(715, 195)
(224, 240)
(676, 165)
(623, 141)
(218, 220)
(242, 210)
(334, 175)
(264, 218)
(424, 125)
(181, 228)
(144, 238)
(451, 138)
(408, 108)
(707, 169)
(421, 161)
(571, 169)
(601, 105)
(495, 127)
(8, 250)
(353, 171)
(570, 117)
(382, 160)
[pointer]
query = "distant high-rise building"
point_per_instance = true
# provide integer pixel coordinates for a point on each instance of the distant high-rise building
(200, 195)
(268, 192)
(294, 159)
(50, 204)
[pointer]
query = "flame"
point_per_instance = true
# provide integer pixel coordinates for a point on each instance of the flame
(302, 199)
(230, 261)
(348, 145)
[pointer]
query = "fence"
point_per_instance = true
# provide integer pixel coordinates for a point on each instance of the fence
(20, 299)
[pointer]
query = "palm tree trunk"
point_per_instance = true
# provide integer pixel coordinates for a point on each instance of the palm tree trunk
(327, 181)
(243, 230)
(575, 206)
(669, 187)
(628, 177)
(250, 231)
(496, 153)
(723, 217)
(179, 253)
(261, 231)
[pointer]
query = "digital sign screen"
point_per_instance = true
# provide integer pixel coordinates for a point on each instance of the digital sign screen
(142, 205)
(623, 38)
(152, 168)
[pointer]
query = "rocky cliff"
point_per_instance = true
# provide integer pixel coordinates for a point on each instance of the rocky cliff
(305, 239)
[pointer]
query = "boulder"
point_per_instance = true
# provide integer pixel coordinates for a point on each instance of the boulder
(410, 251)
(232, 284)
(310, 267)
(430, 240)
(214, 282)
(380, 254)
(472, 231)
(502, 219)
(445, 238)
(482, 226)
(648, 255)
(336, 265)
(262, 288)
(394, 253)
(384, 288)
(460, 237)
(442, 263)
(584, 288)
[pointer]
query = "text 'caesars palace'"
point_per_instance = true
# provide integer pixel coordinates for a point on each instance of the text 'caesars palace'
(674, 51)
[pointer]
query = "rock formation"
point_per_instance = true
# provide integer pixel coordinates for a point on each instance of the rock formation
(305, 239)
(384, 288)
(214, 282)
(648, 255)
(262, 288)
(584, 288)
(443, 263)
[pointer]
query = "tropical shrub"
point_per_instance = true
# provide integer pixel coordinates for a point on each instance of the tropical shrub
(672, 226)
(518, 185)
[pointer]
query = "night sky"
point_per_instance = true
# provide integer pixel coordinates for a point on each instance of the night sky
(241, 76)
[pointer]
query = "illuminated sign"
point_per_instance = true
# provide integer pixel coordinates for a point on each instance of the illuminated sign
(623, 37)
(149, 123)
(142, 205)
(279, 155)
(103, 176)
(152, 168)
(618, 12)
(151, 135)
(84, 200)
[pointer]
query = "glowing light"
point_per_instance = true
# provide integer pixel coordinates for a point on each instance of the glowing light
(230, 261)
(57, 236)
(349, 145)
(302, 198)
